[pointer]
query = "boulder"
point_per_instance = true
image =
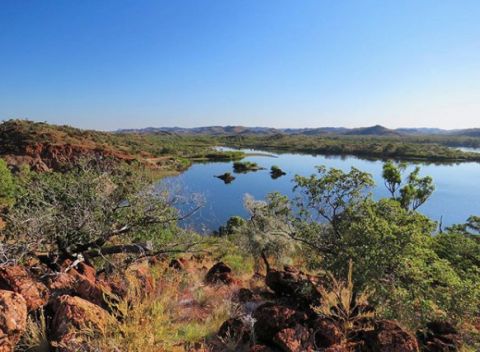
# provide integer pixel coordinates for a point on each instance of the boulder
(440, 336)
(80, 281)
(294, 285)
(13, 319)
(389, 336)
(326, 333)
(245, 295)
(261, 348)
(270, 318)
(17, 279)
(219, 273)
(296, 339)
(75, 318)
(235, 330)
(177, 264)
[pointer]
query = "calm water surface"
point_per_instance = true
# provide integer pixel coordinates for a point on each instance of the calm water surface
(456, 197)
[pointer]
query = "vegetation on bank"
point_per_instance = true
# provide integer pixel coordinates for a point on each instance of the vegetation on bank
(245, 166)
(385, 147)
(111, 216)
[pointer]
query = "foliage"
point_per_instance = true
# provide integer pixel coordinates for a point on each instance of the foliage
(342, 304)
(266, 233)
(408, 148)
(84, 209)
(162, 321)
(7, 186)
(414, 275)
(245, 166)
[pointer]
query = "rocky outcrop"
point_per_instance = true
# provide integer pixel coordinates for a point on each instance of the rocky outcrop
(389, 336)
(295, 339)
(13, 319)
(16, 278)
(270, 318)
(74, 320)
(219, 273)
(79, 281)
(439, 336)
(293, 284)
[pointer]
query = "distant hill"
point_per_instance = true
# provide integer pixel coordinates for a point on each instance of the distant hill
(472, 132)
(208, 130)
(376, 130)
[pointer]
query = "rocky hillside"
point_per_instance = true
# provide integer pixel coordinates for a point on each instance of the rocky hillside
(47, 147)
(86, 310)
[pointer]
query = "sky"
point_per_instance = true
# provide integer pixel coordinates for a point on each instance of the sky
(299, 63)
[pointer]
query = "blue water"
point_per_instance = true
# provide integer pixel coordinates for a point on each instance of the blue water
(456, 197)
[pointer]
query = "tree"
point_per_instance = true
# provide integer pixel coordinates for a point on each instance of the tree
(90, 210)
(414, 192)
(268, 231)
(392, 177)
(327, 196)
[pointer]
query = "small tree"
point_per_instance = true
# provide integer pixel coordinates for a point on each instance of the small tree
(267, 233)
(90, 210)
(416, 190)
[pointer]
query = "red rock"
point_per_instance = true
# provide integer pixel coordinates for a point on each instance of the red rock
(296, 339)
(293, 284)
(270, 318)
(177, 264)
(234, 329)
(74, 318)
(13, 319)
(389, 336)
(260, 348)
(219, 273)
(326, 333)
(17, 279)
(139, 274)
(79, 284)
(338, 348)
(440, 336)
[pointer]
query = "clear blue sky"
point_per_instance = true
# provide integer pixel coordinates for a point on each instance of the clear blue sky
(299, 63)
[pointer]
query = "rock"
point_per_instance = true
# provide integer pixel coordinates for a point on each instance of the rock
(389, 336)
(74, 318)
(17, 279)
(296, 339)
(270, 318)
(80, 281)
(235, 330)
(226, 177)
(219, 273)
(326, 333)
(177, 264)
(294, 285)
(13, 319)
(338, 348)
(260, 348)
(140, 276)
(440, 336)
(245, 295)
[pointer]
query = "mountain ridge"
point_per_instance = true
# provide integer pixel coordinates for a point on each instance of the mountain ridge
(376, 130)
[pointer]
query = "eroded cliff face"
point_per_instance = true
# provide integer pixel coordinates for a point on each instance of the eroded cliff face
(46, 156)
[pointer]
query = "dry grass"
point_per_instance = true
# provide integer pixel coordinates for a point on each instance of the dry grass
(35, 338)
(180, 314)
(340, 304)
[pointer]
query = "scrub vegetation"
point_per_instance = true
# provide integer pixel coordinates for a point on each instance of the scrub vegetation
(98, 261)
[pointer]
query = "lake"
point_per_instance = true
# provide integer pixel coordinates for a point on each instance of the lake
(456, 197)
